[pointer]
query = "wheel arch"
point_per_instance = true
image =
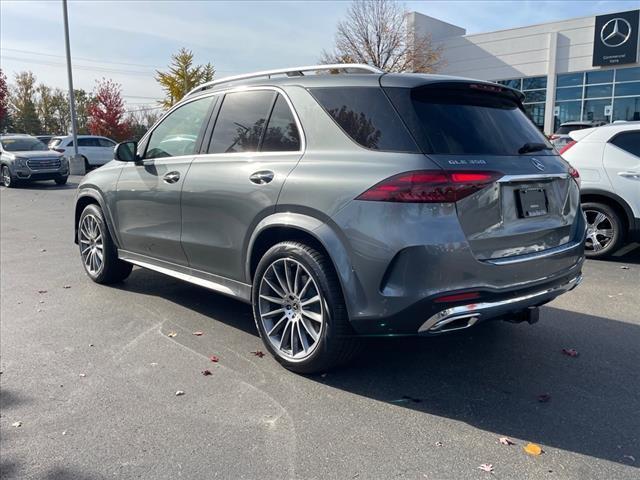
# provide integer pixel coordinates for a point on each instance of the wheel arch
(612, 200)
(310, 230)
(90, 196)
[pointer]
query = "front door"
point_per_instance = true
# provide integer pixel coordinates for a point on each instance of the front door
(255, 143)
(148, 198)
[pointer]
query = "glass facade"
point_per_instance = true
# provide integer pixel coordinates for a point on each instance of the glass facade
(599, 96)
(535, 95)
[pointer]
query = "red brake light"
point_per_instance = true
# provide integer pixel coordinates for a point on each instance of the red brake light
(567, 147)
(429, 186)
(575, 175)
(458, 297)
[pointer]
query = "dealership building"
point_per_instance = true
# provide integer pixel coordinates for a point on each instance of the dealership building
(578, 69)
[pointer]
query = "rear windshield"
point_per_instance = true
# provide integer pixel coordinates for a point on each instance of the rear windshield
(565, 129)
(461, 121)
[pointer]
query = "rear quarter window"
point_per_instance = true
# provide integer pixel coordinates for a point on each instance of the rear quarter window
(628, 141)
(367, 116)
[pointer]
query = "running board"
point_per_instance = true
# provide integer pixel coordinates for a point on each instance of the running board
(226, 286)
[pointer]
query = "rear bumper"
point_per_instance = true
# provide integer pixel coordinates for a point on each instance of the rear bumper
(472, 313)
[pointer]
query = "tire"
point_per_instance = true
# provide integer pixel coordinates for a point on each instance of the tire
(293, 328)
(61, 180)
(605, 230)
(87, 165)
(8, 180)
(91, 230)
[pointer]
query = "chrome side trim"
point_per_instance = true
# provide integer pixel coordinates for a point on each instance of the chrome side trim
(226, 286)
(499, 307)
(535, 255)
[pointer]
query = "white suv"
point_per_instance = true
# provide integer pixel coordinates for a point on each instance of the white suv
(95, 150)
(608, 159)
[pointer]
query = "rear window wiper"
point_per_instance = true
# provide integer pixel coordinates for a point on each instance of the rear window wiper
(534, 147)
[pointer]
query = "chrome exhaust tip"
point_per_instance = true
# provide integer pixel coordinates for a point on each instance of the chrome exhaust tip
(451, 324)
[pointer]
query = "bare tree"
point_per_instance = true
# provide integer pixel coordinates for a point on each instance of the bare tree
(375, 32)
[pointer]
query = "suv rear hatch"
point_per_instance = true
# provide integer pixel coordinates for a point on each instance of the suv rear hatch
(531, 201)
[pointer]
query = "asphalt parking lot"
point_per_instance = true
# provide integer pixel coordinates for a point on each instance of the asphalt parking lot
(90, 374)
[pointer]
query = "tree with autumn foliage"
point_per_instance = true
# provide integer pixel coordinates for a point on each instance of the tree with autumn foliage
(107, 112)
(182, 76)
(5, 119)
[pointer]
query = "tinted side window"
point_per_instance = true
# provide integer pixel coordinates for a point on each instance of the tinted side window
(176, 135)
(281, 134)
(241, 122)
(366, 115)
(628, 141)
(106, 143)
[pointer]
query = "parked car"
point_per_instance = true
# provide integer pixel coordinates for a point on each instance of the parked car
(24, 158)
(608, 159)
(561, 136)
(95, 151)
(44, 138)
(358, 203)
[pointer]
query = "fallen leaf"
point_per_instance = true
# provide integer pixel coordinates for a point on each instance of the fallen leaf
(83, 374)
(624, 267)
(533, 449)
(179, 393)
(91, 344)
(153, 364)
(42, 291)
(67, 286)
(64, 432)
(258, 353)
(171, 334)
(487, 467)
(439, 444)
(506, 441)
(544, 397)
(43, 249)
(206, 373)
(197, 334)
(571, 352)
(16, 424)
(214, 359)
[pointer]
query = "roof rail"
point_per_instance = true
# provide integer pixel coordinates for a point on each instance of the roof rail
(290, 72)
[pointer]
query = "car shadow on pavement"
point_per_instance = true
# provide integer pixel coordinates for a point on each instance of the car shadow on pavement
(493, 378)
(46, 185)
(628, 254)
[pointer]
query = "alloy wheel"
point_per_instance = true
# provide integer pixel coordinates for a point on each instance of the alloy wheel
(600, 230)
(91, 244)
(6, 176)
(291, 309)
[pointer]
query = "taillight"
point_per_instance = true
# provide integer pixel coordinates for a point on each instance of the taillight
(575, 175)
(567, 147)
(59, 150)
(459, 297)
(429, 186)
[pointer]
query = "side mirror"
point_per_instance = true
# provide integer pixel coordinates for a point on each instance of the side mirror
(126, 152)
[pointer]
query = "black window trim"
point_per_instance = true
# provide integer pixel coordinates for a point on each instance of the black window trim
(616, 135)
(214, 119)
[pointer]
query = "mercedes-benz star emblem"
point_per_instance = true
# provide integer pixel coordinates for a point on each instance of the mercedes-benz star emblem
(538, 164)
(615, 32)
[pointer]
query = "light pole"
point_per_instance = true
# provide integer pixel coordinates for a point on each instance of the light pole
(76, 166)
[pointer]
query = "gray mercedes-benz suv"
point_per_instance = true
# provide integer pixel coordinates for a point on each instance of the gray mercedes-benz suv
(341, 204)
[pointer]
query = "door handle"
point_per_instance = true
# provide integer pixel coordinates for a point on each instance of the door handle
(629, 174)
(262, 177)
(171, 177)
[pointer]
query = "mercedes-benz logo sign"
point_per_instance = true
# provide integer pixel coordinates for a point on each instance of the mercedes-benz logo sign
(615, 32)
(538, 164)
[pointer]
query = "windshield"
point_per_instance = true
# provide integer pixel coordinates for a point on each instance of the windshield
(25, 144)
(460, 121)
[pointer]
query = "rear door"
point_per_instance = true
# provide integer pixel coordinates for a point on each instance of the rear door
(149, 219)
(622, 164)
(235, 182)
(468, 127)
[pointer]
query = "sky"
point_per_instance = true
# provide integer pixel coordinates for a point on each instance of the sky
(127, 40)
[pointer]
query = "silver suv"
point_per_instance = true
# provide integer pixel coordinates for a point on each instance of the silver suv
(24, 158)
(341, 201)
